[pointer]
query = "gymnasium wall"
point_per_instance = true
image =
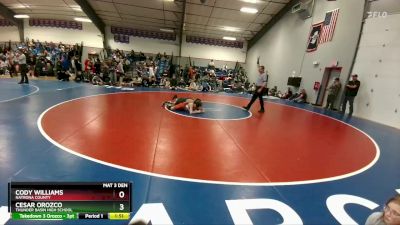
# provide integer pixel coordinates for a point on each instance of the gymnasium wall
(378, 66)
(9, 34)
(89, 35)
(145, 45)
(195, 51)
(283, 48)
(204, 62)
(213, 52)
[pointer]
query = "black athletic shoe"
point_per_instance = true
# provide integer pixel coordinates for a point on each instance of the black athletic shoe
(245, 107)
(261, 111)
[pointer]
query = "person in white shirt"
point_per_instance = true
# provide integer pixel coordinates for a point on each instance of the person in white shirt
(151, 71)
(261, 87)
(22, 67)
(120, 72)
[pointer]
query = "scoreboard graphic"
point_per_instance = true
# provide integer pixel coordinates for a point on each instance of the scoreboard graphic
(70, 201)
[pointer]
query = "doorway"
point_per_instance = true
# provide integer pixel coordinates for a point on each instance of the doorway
(330, 74)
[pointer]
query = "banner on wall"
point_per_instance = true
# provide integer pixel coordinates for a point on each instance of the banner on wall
(121, 38)
(55, 23)
(214, 41)
(5, 23)
(313, 38)
(143, 33)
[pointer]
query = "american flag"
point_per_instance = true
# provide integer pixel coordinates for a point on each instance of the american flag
(329, 26)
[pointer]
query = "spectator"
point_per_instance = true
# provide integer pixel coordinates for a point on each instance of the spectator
(120, 71)
(88, 69)
(273, 91)
(96, 80)
(3, 67)
(333, 93)
(205, 86)
(390, 214)
(192, 73)
(112, 70)
(237, 86)
(167, 83)
(97, 66)
(78, 66)
(10, 59)
(350, 93)
(287, 94)
(211, 65)
(59, 69)
(301, 97)
(193, 86)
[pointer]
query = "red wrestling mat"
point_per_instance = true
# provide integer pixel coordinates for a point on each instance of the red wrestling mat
(284, 144)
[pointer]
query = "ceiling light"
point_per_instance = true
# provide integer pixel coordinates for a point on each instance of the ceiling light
(21, 16)
(229, 38)
(18, 6)
(77, 9)
(253, 1)
(168, 0)
(248, 10)
(80, 19)
(167, 30)
(234, 29)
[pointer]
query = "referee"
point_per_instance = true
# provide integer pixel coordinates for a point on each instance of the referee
(261, 87)
(22, 67)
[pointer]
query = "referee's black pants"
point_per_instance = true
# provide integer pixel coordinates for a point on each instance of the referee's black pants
(24, 78)
(256, 95)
